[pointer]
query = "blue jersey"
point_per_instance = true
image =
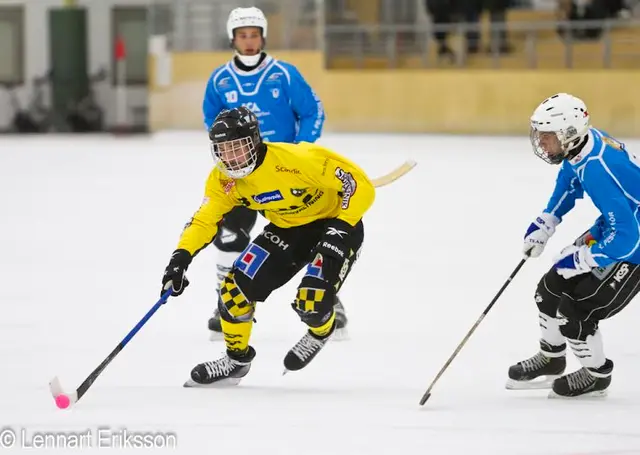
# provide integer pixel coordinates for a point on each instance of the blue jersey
(287, 108)
(610, 175)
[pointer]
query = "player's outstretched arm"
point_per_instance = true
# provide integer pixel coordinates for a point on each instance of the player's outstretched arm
(567, 190)
(197, 234)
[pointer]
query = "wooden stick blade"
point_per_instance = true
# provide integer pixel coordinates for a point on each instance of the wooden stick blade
(395, 174)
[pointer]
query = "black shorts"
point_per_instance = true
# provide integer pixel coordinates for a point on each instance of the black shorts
(277, 254)
(591, 296)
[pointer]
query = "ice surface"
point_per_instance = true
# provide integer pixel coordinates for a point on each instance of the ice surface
(88, 225)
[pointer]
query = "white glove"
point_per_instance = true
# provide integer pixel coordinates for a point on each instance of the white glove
(535, 239)
(574, 260)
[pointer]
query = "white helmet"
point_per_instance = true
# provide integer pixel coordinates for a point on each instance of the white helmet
(246, 17)
(567, 117)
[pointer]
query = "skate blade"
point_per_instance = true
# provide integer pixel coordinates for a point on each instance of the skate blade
(221, 384)
(215, 336)
(599, 394)
(534, 384)
(340, 335)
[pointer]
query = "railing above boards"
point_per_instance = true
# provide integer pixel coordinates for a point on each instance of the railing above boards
(560, 44)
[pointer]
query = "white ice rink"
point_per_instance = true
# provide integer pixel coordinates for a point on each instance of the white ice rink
(88, 225)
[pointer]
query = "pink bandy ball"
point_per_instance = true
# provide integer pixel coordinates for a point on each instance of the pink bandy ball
(62, 401)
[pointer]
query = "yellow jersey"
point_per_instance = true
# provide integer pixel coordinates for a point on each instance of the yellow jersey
(296, 184)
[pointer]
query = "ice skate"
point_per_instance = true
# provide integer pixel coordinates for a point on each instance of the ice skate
(305, 350)
(226, 371)
(537, 372)
(585, 382)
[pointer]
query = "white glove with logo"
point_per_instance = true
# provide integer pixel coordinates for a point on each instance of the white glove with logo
(535, 239)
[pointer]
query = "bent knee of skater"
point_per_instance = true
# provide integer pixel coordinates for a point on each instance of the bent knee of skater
(574, 323)
(233, 302)
(314, 305)
(546, 300)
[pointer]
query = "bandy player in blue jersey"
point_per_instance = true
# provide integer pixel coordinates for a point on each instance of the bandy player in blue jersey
(288, 111)
(597, 276)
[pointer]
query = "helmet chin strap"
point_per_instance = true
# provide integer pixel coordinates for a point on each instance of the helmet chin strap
(249, 60)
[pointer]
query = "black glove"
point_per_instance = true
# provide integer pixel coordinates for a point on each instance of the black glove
(178, 265)
(334, 246)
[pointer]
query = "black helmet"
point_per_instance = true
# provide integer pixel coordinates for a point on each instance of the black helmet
(235, 141)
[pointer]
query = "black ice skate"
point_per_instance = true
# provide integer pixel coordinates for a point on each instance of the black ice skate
(228, 370)
(305, 350)
(591, 382)
(539, 371)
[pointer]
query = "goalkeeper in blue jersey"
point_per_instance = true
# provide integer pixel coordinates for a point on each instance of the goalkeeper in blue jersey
(597, 276)
(288, 111)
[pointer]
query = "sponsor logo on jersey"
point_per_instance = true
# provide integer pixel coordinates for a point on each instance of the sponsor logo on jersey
(324, 166)
(273, 238)
(275, 93)
(297, 192)
(308, 200)
(252, 106)
(270, 196)
(348, 186)
(286, 169)
(227, 185)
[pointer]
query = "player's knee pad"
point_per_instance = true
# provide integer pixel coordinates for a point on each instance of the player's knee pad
(573, 322)
(235, 230)
(314, 302)
(231, 241)
(547, 299)
(233, 303)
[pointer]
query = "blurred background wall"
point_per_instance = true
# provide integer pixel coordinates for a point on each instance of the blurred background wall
(432, 66)
(29, 32)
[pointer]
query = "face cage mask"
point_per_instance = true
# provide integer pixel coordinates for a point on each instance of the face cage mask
(556, 158)
(236, 158)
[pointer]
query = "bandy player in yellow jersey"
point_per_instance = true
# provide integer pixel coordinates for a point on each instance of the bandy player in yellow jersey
(314, 200)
